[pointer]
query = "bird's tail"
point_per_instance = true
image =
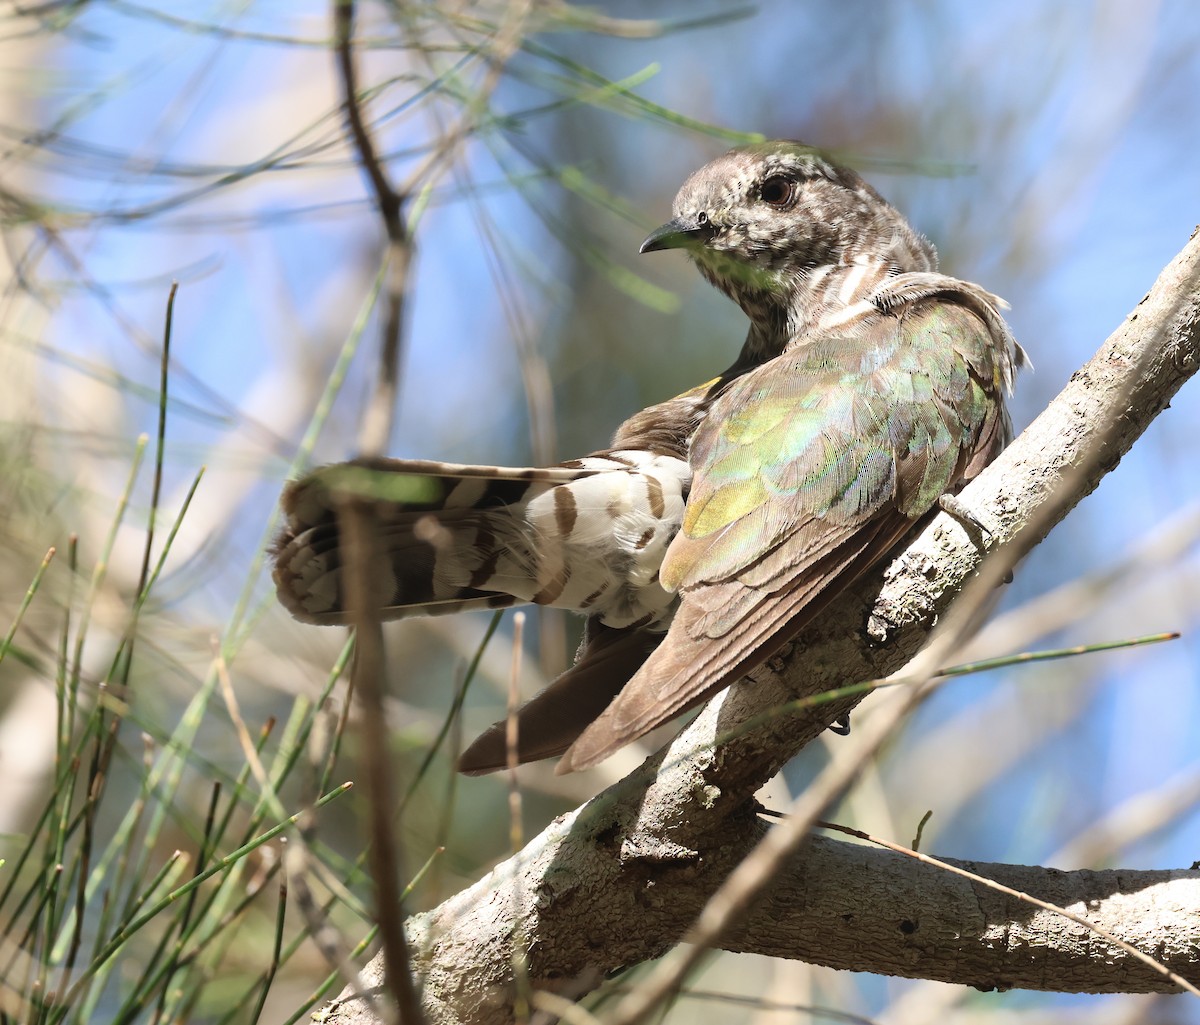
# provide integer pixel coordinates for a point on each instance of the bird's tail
(586, 535)
(452, 537)
(551, 722)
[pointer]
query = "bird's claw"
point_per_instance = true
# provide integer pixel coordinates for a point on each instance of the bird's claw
(953, 505)
(980, 534)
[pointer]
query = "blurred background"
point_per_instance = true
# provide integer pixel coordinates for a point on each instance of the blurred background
(1047, 148)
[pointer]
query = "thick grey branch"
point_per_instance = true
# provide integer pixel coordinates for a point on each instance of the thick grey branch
(838, 904)
(620, 879)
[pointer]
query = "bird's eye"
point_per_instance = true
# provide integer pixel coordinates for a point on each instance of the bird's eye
(778, 191)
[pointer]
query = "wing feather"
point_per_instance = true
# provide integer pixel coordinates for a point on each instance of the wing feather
(549, 723)
(808, 470)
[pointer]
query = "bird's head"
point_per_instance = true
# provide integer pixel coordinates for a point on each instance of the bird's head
(761, 220)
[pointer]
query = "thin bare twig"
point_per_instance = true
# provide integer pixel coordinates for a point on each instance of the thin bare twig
(359, 531)
(498, 52)
(516, 832)
(378, 420)
(1162, 547)
(359, 540)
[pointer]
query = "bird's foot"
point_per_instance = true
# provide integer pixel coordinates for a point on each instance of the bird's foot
(971, 523)
(955, 506)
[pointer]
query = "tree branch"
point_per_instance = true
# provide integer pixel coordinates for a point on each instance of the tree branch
(837, 904)
(619, 880)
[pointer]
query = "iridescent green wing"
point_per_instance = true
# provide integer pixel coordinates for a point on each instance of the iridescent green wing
(807, 471)
(813, 445)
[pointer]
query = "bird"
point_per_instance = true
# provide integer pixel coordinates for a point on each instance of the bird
(869, 389)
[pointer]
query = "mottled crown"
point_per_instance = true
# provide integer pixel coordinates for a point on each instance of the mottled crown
(761, 219)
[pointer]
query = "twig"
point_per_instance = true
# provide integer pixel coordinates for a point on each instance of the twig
(563, 1009)
(512, 738)
(359, 533)
(503, 45)
(516, 831)
(359, 540)
(378, 419)
(1162, 547)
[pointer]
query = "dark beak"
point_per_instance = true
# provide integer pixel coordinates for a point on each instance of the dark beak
(681, 233)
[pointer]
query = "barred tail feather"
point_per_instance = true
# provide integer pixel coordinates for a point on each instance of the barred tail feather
(445, 530)
(587, 535)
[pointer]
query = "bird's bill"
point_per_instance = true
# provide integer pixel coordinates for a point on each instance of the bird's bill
(680, 233)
